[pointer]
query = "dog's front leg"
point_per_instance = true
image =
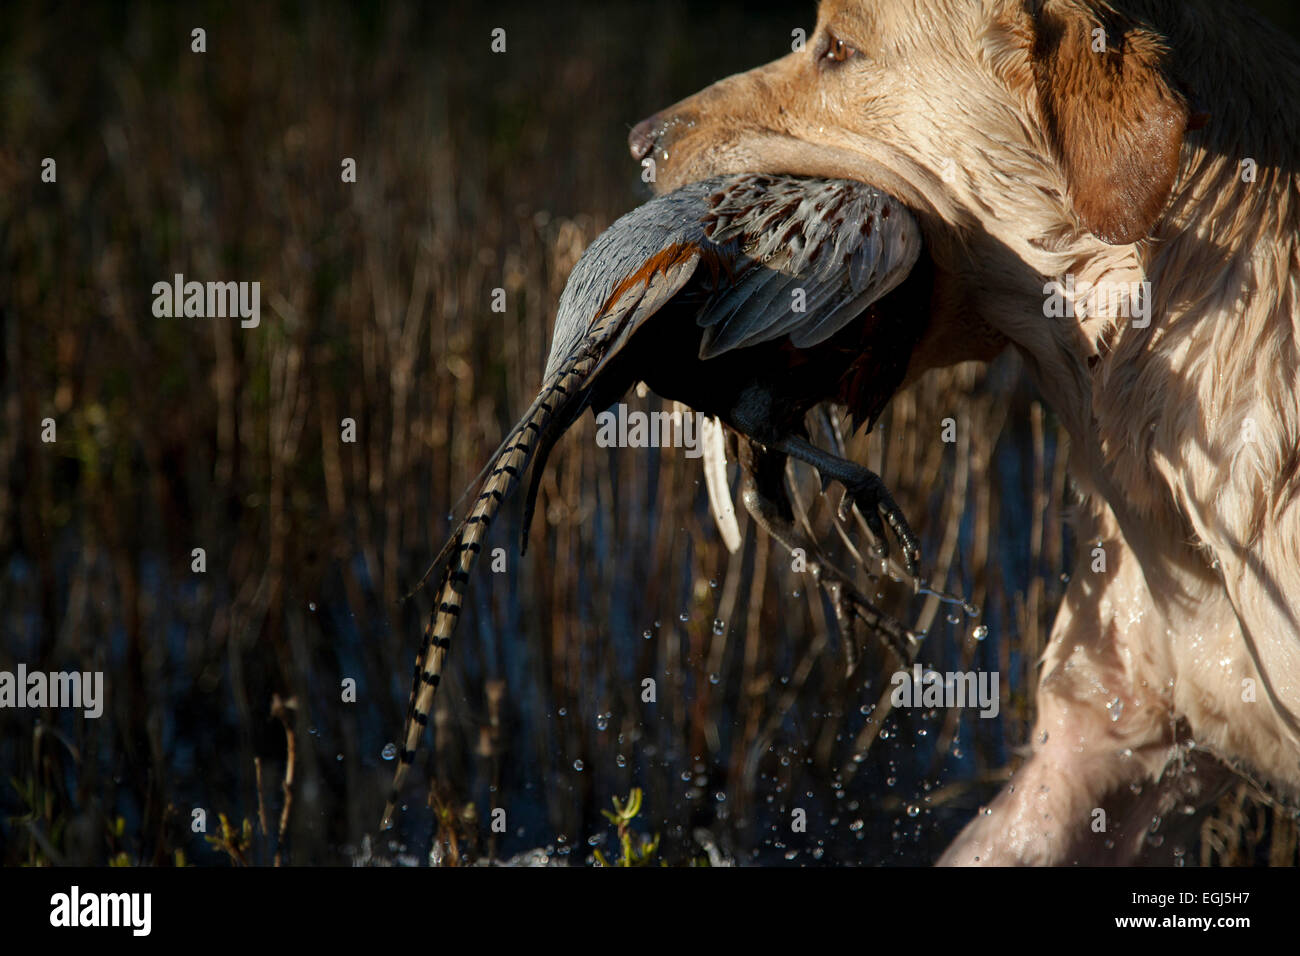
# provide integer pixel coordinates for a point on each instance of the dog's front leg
(1110, 776)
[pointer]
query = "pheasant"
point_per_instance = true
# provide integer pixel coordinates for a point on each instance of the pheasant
(751, 299)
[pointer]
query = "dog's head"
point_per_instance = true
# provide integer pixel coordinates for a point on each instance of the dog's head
(1029, 136)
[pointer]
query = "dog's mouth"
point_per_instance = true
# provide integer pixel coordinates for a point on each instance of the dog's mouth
(676, 151)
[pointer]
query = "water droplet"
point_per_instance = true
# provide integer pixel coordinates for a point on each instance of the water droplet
(980, 632)
(621, 760)
(646, 634)
(311, 606)
(1116, 708)
(683, 617)
(602, 721)
(913, 810)
(577, 765)
(389, 751)
(718, 626)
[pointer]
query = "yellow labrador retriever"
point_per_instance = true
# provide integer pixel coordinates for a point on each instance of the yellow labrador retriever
(1111, 189)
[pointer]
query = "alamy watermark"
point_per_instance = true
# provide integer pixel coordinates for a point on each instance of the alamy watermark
(133, 911)
(59, 689)
(624, 428)
(926, 688)
(1083, 299)
(210, 300)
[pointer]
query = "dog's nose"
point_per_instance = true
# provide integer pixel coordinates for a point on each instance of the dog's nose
(642, 138)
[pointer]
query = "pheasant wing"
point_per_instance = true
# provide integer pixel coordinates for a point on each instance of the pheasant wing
(818, 255)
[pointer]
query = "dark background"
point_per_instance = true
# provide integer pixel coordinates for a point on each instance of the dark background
(475, 171)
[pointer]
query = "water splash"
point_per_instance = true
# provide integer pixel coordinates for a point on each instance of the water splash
(969, 609)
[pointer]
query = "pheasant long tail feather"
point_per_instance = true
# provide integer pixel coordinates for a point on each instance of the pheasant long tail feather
(553, 406)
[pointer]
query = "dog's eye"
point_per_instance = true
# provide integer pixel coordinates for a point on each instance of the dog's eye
(837, 51)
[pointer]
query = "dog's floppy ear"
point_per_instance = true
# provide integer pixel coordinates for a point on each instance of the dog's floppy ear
(1115, 119)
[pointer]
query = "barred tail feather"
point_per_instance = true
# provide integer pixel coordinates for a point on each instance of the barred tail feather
(553, 407)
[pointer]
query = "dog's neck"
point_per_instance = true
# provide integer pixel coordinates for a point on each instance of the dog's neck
(1222, 272)
(1212, 379)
